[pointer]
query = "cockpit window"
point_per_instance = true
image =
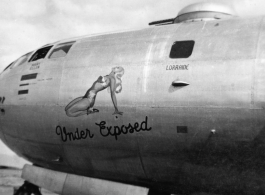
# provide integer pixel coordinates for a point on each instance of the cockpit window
(8, 66)
(181, 49)
(21, 60)
(39, 54)
(61, 50)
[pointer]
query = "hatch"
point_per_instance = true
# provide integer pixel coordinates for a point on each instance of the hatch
(203, 11)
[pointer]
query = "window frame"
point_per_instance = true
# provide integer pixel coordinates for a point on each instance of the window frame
(31, 59)
(18, 62)
(8, 66)
(179, 46)
(60, 46)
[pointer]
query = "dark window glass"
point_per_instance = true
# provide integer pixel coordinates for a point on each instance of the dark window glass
(61, 50)
(41, 53)
(181, 49)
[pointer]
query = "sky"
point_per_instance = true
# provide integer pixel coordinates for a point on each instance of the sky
(26, 25)
(29, 24)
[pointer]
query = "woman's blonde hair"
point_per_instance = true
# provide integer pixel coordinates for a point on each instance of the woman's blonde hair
(118, 74)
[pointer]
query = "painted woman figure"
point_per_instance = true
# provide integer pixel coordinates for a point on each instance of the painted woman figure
(84, 105)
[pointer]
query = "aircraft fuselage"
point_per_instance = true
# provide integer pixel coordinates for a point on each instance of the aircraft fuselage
(189, 123)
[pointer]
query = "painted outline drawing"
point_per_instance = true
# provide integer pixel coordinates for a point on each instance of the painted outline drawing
(84, 105)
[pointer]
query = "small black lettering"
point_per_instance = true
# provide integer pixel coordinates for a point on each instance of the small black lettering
(177, 67)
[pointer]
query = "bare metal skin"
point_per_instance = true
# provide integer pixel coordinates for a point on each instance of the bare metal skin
(207, 136)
